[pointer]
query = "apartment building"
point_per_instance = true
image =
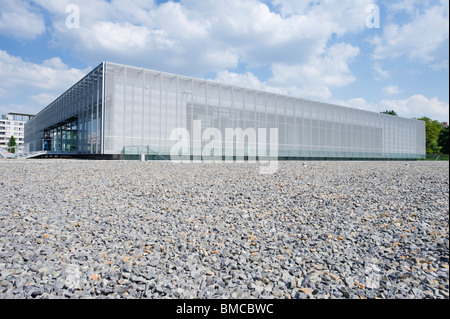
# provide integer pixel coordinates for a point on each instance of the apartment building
(13, 124)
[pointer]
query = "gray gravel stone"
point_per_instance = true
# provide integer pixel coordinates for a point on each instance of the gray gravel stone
(117, 229)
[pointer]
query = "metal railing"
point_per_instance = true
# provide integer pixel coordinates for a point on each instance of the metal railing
(19, 153)
(140, 152)
(437, 157)
(5, 153)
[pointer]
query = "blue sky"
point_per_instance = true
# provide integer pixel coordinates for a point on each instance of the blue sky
(331, 51)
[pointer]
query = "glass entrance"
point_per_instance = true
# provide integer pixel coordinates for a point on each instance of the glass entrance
(63, 138)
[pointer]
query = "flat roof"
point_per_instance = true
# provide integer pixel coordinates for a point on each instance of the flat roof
(22, 114)
(105, 63)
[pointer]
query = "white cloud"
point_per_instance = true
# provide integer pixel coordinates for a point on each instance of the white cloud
(379, 72)
(418, 106)
(195, 37)
(309, 80)
(18, 19)
(404, 5)
(28, 87)
(439, 65)
(415, 106)
(120, 37)
(333, 16)
(52, 74)
(44, 98)
(247, 80)
(312, 79)
(390, 90)
(320, 73)
(250, 81)
(358, 103)
(419, 39)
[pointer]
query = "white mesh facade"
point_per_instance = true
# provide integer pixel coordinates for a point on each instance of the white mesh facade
(140, 107)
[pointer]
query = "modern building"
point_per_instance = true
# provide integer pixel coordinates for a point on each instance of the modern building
(13, 124)
(117, 108)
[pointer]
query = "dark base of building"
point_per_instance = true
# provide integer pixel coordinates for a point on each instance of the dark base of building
(116, 157)
(96, 157)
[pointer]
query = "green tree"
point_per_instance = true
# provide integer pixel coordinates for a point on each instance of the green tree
(433, 129)
(390, 113)
(443, 140)
(12, 144)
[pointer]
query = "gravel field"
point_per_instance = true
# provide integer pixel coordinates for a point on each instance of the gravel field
(116, 229)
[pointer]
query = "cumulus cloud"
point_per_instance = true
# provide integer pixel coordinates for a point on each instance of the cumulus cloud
(415, 106)
(302, 45)
(27, 87)
(309, 80)
(338, 17)
(409, 6)
(19, 19)
(419, 38)
(319, 73)
(197, 37)
(418, 106)
(51, 74)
